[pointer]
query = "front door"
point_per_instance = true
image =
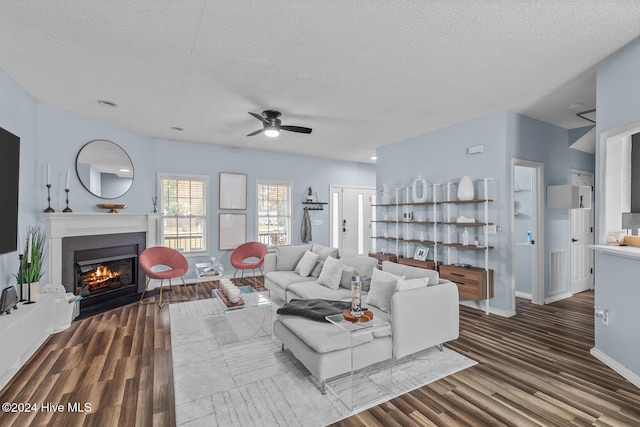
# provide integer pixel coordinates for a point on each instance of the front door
(351, 219)
(581, 237)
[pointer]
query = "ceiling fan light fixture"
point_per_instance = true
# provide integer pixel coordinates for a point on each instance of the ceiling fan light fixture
(271, 132)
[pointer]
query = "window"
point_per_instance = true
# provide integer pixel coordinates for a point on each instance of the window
(183, 204)
(274, 213)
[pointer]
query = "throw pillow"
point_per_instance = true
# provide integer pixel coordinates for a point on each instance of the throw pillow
(317, 269)
(364, 265)
(331, 273)
(408, 284)
(324, 251)
(383, 285)
(287, 257)
(306, 264)
(347, 274)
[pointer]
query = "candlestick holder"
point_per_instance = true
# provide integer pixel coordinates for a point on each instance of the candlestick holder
(67, 209)
(20, 278)
(49, 209)
(29, 285)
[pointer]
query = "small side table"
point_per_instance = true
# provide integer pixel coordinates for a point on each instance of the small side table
(358, 389)
(206, 271)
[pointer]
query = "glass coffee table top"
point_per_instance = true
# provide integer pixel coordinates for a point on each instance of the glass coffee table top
(250, 297)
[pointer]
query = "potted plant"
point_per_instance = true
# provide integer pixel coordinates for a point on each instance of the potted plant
(34, 274)
(309, 195)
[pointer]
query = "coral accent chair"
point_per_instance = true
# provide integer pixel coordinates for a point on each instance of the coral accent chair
(245, 251)
(177, 265)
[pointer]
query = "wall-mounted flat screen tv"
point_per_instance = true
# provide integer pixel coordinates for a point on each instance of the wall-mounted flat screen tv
(9, 187)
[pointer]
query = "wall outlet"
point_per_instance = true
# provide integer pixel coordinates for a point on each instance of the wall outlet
(491, 229)
(601, 314)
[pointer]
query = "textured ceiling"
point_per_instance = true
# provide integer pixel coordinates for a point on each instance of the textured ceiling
(361, 73)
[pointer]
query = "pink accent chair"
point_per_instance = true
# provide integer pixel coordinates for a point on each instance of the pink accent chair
(163, 256)
(245, 251)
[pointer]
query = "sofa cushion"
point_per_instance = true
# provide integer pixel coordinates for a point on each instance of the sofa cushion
(287, 257)
(331, 273)
(324, 252)
(285, 278)
(383, 285)
(347, 274)
(306, 264)
(364, 265)
(323, 337)
(307, 290)
(408, 284)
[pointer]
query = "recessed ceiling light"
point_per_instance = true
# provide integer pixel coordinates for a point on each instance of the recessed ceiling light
(374, 157)
(124, 170)
(176, 128)
(576, 105)
(107, 103)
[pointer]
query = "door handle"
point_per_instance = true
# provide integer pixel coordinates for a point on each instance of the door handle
(574, 240)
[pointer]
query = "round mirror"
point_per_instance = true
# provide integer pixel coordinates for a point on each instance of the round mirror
(104, 169)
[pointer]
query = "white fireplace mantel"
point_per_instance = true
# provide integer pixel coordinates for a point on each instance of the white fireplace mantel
(61, 225)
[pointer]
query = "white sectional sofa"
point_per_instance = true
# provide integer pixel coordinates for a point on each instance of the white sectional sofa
(421, 315)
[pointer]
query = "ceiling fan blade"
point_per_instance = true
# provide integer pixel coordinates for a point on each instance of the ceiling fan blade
(298, 129)
(259, 117)
(256, 132)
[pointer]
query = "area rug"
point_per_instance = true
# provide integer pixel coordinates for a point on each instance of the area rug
(229, 371)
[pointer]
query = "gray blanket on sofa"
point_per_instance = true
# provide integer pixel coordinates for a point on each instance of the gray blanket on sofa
(314, 309)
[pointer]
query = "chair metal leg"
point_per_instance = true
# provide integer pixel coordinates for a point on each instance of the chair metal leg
(234, 274)
(145, 290)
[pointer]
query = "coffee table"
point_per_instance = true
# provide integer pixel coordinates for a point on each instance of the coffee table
(358, 389)
(256, 319)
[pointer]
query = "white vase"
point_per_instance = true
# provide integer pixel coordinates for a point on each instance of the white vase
(465, 188)
(420, 190)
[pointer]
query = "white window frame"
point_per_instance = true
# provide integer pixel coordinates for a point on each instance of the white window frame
(289, 184)
(206, 216)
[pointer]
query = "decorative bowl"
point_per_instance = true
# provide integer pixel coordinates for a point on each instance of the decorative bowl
(113, 208)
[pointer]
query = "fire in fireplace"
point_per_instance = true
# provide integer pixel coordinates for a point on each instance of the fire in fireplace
(101, 276)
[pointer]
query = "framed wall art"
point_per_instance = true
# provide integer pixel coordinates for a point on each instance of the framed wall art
(232, 231)
(233, 191)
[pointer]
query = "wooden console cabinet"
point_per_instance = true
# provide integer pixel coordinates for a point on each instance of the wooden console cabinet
(383, 257)
(471, 281)
(430, 265)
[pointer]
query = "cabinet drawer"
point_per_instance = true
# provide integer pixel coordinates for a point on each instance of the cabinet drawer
(471, 282)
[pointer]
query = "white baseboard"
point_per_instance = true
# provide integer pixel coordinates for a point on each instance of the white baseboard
(480, 305)
(558, 297)
(626, 373)
(524, 295)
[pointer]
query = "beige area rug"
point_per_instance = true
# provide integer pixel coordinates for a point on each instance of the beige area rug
(229, 371)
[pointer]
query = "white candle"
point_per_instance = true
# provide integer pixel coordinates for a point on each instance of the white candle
(29, 248)
(48, 173)
(68, 172)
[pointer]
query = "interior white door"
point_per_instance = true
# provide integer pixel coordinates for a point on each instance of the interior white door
(351, 219)
(581, 237)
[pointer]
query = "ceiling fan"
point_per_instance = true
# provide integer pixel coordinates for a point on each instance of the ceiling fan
(271, 124)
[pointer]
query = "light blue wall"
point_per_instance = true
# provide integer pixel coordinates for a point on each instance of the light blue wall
(18, 115)
(440, 156)
(49, 135)
(545, 143)
(618, 103)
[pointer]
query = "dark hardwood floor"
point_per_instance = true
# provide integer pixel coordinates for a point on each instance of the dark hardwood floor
(533, 369)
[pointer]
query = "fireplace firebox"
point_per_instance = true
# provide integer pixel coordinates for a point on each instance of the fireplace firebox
(103, 269)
